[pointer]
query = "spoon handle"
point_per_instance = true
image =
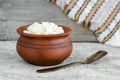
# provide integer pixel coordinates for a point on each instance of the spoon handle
(57, 67)
(89, 60)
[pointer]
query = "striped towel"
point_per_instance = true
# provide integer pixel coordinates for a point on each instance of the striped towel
(100, 16)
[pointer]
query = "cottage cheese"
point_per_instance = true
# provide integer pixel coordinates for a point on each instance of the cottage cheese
(45, 28)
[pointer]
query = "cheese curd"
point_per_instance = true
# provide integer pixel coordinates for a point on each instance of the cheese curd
(45, 28)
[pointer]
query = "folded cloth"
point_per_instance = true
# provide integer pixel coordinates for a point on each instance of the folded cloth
(100, 16)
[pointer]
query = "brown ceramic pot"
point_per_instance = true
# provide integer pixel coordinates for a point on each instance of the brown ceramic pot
(44, 50)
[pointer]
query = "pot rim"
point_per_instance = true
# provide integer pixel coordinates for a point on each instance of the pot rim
(67, 32)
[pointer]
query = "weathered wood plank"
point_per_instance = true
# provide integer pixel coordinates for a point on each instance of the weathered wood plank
(12, 67)
(14, 13)
(8, 31)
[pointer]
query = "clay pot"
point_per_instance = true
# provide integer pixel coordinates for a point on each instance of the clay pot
(44, 50)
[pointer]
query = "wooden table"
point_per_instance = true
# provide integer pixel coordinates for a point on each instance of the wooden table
(15, 13)
(12, 67)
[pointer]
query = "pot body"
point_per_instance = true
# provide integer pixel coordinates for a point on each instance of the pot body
(44, 51)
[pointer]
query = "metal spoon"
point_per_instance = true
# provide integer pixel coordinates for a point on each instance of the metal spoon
(89, 60)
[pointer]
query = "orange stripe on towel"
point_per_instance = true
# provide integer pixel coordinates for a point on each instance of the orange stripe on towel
(87, 21)
(110, 18)
(69, 6)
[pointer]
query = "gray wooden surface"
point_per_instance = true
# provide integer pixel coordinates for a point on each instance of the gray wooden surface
(12, 67)
(14, 13)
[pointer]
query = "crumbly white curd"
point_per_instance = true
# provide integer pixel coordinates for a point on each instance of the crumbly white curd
(45, 28)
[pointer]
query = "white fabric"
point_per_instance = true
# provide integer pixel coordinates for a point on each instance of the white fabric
(100, 17)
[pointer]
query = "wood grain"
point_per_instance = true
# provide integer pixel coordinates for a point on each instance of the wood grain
(12, 67)
(15, 13)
